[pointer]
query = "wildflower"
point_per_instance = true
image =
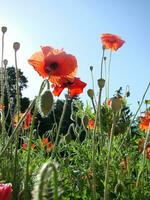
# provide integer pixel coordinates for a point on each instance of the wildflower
(24, 146)
(44, 141)
(5, 191)
(145, 122)
(124, 164)
(140, 145)
(47, 145)
(27, 122)
(148, 151)
(54, 64)
(110, 41)
(75, 87)
(91, 124)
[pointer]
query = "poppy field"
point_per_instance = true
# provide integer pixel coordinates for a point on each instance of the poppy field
(96, 151)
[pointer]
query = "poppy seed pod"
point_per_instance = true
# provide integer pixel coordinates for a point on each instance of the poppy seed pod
(5, 62)
(116, 104)
(4, 29)
(91, 68)
(46, 103)
(16, 46)
(101, 83)
(90, 93)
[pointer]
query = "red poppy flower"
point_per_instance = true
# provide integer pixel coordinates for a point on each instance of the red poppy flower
(5, 191)
(145, 122)
(28, 121)
(75, 87)
(24, 146)
(91, 124)
(44, 141)
(54, 64)
(110, 41)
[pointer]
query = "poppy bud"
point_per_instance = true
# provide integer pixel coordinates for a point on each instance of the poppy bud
(119, 187)
(46, 103)
(128, 94)
(101, 83)
(90, 93)
(5, 62)
(16, 46)
(4, 29)
(85, 121)
(91, 68)
(105, 58)
(116, 104)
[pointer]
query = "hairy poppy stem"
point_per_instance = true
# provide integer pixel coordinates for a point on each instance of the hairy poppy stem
(26, 197)
(59, 128)
(94, 146)
(143, 165)
(18, 116)
(108, 158)
(138, 109)
(108, 77)
(2, 89)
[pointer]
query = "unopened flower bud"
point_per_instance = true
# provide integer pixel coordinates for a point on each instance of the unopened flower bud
(119, 187)
(85, 121)
(90, 93)
(4, 29)
(101, 83)
(105, 58)
(16, 46)
(5, 62)
(46, 103)
(91, 68)
(127, 93)
(116, 104)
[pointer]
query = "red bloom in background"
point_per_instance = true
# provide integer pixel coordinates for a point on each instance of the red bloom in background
(91, 124)
(145, 122)
(110, 41)
(28, 121)
(75, 87)
(5, 191)
(54, 64)
(25, 145)
(148, 151)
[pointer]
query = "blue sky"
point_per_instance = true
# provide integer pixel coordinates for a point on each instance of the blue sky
(76, 26)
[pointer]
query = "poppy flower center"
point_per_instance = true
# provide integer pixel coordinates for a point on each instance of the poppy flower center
(51, 67)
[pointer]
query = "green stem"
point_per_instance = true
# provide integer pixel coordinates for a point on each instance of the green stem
(94, 147)
(59, 128)
(138, 109)
(2, 90)
(143, 165)
(108, 81)
(17, 127)
(108, 159)
(30, 142)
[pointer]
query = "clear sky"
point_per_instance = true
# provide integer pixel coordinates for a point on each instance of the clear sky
(76, 26)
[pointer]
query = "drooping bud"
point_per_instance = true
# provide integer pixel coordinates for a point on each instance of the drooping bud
(101, 83)
(127, 93)
(5, 62)
(85, 121)
(116, 104)
(46, 103)
(16, 46)
(4, 29)
(119, 187)
(90, 93)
